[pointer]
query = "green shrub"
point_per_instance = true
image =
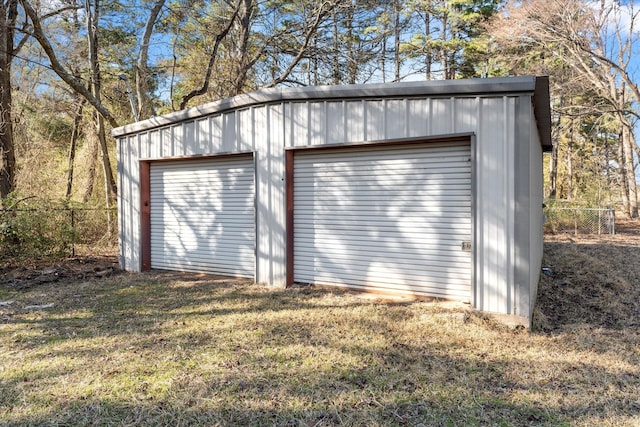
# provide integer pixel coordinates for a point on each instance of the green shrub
(34, 230)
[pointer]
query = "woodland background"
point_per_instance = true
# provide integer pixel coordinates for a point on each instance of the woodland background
(71, 70)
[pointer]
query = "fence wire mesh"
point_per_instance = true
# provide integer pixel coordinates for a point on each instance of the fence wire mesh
(566, 220)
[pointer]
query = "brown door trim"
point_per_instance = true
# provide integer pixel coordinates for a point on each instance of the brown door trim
(145, 214)
(145, 197)
(289, 226)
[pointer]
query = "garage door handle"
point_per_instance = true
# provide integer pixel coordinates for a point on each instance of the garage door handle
(466, 246)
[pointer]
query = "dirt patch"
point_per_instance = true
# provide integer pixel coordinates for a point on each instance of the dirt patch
(37, 273)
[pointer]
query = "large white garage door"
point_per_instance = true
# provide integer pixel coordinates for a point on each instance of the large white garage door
(203, 216)
(385, 219)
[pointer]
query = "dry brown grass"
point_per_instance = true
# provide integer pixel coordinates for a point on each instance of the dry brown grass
(176, 349)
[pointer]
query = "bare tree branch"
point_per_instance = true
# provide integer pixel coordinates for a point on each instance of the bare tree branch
(75, 83)
(323, 10)
(142, 68)
(212, 58)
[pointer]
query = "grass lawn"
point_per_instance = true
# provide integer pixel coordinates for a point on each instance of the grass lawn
(178, 349)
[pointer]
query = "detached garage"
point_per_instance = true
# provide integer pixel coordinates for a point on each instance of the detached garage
(422, 188)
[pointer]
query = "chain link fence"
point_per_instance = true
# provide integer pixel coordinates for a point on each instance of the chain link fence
(32, 233)
(574, 220)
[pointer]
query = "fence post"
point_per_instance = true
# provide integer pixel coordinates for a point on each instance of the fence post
(612, 212)
(73, 233)
(599, 221)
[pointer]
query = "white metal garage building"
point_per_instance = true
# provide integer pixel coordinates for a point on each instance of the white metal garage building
(423, 188)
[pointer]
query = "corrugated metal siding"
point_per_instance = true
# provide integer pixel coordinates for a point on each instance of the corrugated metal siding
(390, 219)
(269, 129)
(129, 202)
(536, 237)
(494, 208)
(203, 216)
(270, 203)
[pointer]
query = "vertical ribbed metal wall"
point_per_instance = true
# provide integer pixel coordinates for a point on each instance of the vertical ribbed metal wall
(268, 129)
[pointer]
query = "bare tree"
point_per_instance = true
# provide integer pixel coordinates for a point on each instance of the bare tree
(598, 44)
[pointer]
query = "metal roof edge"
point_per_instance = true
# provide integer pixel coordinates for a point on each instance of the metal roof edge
(488, 86)
(542, 111)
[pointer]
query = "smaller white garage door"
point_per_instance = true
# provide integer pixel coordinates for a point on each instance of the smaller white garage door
(202, 216)
(387, 219)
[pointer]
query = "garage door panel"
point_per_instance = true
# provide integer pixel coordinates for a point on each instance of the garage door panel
(425, 289)
(356, 209)
(391, 219)
(170, 243)
(215, 181)
(206, 166)
(372, 191)
(341, 175)
(202, 215)
(392, 283)
(193, 216)
(388, 244)
(205, 267)
(381, 230)
(370, 198)
(205, 198)
(375, 154)
(389, 281)
(190, 194)
(222, 258)
(441, 217)
(372, 237)
(383, 266)
(429, 256)
(412, 219)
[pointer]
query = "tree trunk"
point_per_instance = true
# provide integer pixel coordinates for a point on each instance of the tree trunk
(553, 162)
(383, 59)
(91, 172)
(8, 15)
(629, 171)
(145, 108)
(553, 171)
(77, 121)
(607, 157)
(109, 184)
(336, 49)
(242, 63)
(570, 163)
(396, 39)
(96, 84)
(428, 57)
(352, 61)
(444, 57)
(623, 174)
(314, 59)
